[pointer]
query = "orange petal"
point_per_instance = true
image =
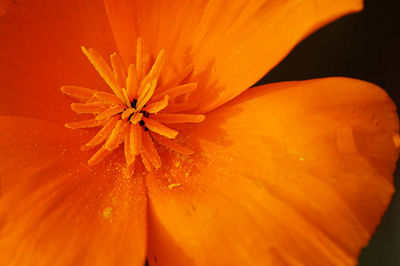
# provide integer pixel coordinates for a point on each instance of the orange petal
(230, 45)
(130, 20)
(180, 107)
(5, 5)
(270, 182)
(30, 74)
(150, 151)
(268, 30)
(52, 201)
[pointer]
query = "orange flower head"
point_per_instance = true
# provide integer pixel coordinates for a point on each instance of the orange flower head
(200, 170)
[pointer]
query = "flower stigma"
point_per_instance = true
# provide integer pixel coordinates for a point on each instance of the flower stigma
(137, 113)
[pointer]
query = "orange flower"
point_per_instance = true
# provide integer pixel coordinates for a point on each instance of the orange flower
(285, 174)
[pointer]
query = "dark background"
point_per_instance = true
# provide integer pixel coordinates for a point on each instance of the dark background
(365, 45)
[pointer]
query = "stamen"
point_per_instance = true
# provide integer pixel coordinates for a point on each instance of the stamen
(150, 151)
(84, 124)
(112, 141)
(127, 113)
(93, 99)
(129, 170)
(155, 71)
(110, 112)
(107, 97)
(172, 145)
(176, 91)
(178, 118)
(126, 98)
(104, 133)
(146, 162)
(135, 139)
(132, 83)
(89, 108)
(124, 132)
(145, 94)
(157, 106)
(129, 155)
(160, 128)
(102, 68)
(137, 110)
(146, 63)
(136, 118)
(78, 93)
(119, 70)
(98, 156)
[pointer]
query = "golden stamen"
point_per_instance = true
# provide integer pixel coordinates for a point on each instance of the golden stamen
(84, 124)
(157, 106)
(113, 110)
(155, 126)
(137, 110)
(104, 133)
(78, 93)
(150, 150)
(89, 108)
(132, 83)
(178, 118)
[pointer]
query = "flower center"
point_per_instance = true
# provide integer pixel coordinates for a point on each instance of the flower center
(138, 112)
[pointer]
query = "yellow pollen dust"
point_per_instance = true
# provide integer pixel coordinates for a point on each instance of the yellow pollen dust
(137, 113)
(107, 212)
(174, 185)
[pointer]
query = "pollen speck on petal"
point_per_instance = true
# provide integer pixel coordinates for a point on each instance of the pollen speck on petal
(174, 185)
(179, 118)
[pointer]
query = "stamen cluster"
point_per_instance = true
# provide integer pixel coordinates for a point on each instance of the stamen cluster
(136, 113)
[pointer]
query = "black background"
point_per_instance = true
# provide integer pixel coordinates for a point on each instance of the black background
(365, 45)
